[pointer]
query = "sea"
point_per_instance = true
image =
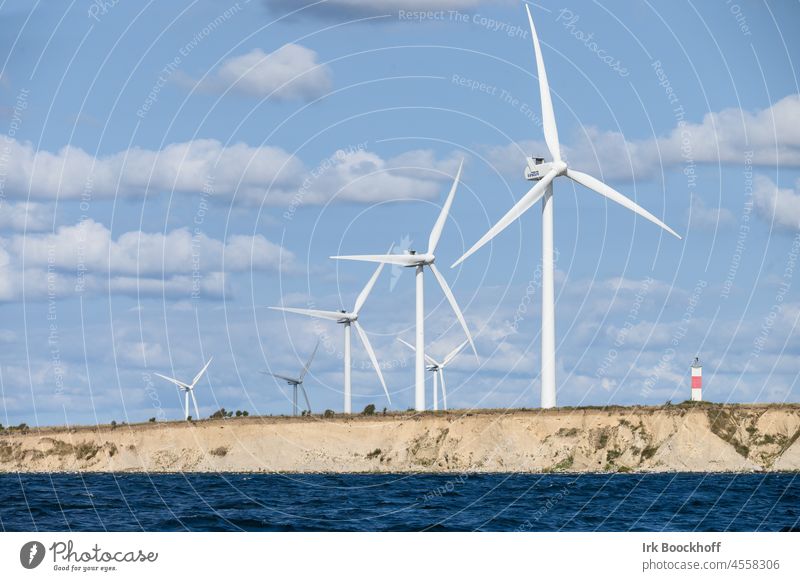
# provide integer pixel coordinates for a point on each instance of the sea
(415, 502)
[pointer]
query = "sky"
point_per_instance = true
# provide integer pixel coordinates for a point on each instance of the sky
(170, 170)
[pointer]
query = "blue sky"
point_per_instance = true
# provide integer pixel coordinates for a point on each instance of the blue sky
(169, 170)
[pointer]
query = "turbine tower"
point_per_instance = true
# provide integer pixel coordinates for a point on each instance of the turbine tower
(438, 371)
(419, 262)
(544, 174)
(188, 388)
(348, 319)
(298, 382)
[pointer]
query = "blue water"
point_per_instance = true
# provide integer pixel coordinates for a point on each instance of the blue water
(504, 502)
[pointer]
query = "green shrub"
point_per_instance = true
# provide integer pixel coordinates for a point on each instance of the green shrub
(369, 410)
(329, 413)
(220, 413)
(245, 413)
(238, 413)
(152, 420)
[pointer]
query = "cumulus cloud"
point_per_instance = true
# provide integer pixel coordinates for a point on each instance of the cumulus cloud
(779, 204)
(87, 256)
(769, 137)
(25, 216)
(236, 173)
(290, 72)
(704, 216)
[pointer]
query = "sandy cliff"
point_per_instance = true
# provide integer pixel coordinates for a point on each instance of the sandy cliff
(677, 438)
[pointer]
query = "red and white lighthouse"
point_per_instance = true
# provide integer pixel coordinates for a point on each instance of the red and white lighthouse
(697, 380)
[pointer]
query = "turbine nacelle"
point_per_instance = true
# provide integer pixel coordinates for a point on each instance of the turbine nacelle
(347, 318)
(424, 259)
(537, 168)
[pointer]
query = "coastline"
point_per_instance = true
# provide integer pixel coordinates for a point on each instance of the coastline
(616, 439)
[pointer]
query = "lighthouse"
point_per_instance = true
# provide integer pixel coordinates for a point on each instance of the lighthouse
(697, 380)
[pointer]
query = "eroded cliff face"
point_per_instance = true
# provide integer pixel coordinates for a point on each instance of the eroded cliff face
(702, 438)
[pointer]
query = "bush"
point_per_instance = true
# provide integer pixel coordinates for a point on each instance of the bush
(189, 419)
(369, 410)
(238, 413)
(220, 413)
(384, 411)
(245, 413)
(329, 413)
(113, 424)
(152, 420)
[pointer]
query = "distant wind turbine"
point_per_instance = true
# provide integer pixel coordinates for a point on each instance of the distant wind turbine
(298, 382)
(438, 371)
(347, 319)
(419, 262)
(544, 174)
(188, 388)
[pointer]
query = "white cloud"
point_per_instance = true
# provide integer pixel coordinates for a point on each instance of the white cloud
(769, 136)
(86, 255)
(236, 173)
(140, 253)
(704, 216)
(290, 72)
(25, 216)
(779, 204)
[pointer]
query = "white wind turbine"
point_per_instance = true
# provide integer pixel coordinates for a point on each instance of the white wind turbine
(188, 388)
(347, 319)
(298, 382)
(544, 174)
(438, 371)
(419, 262)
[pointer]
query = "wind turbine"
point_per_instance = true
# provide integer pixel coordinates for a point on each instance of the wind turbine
(438, 371)
(419, 262)
(347, 319)
(188, 388)
(298, 382)
(544, 174)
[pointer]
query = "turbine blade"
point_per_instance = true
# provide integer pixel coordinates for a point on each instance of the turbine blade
(401, 259)
(308, 364)
(171, 380)
(452, 355)
(362, 297)
(329, 315)
(409, 345)
(285, 378)
(436, 233)
(202, 371)
(305, 395)
(428, 358)
(528, 200)
(452, 300)
(548, 117)
(444, 388)
(194, 400)
(613, 195)
(371, 353)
